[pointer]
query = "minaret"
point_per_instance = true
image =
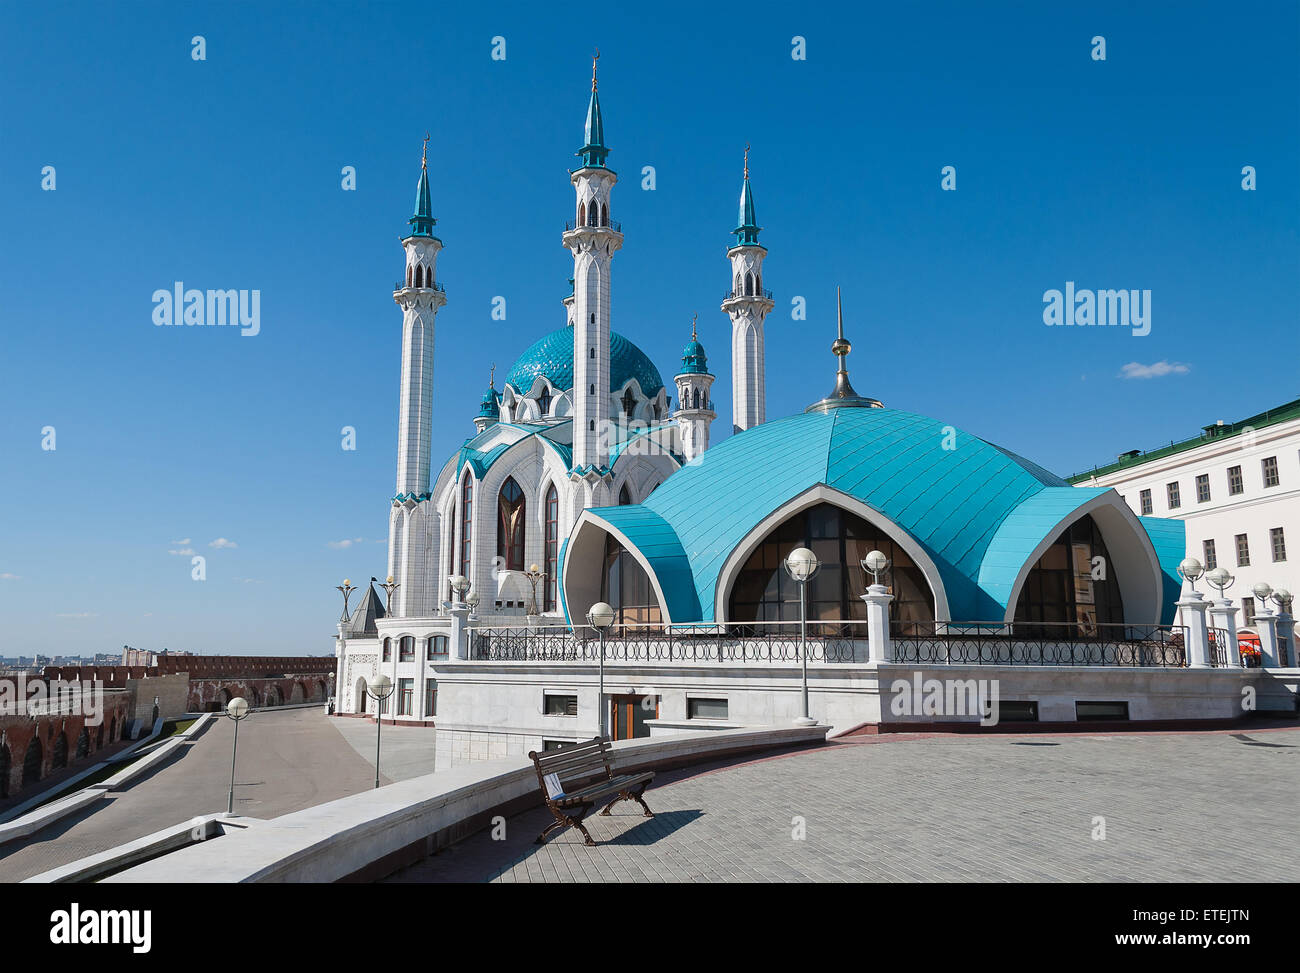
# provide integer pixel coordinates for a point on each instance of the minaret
(489, 409)
(412, 535)
(695, 412)
(747, 304)
(593, 239)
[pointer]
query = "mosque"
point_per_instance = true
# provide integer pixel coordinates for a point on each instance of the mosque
(589, 481)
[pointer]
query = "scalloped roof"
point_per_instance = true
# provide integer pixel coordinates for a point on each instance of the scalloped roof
(552, 357)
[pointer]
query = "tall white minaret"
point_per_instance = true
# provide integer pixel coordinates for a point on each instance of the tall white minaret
(413, 527)
(747, 304)
(695, 409)
(593, 240)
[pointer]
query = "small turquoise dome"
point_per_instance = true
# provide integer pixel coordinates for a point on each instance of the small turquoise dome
(551, 358)
(694, 361)
(489, 407)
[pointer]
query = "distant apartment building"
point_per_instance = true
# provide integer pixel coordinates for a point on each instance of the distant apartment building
(1236, 487)
(138, 657)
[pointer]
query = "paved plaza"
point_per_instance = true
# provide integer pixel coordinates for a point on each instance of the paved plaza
(1200, 807)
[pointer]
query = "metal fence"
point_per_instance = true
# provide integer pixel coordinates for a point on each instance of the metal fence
(925, 643)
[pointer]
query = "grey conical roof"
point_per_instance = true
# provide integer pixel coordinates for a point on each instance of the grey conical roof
(367, 613)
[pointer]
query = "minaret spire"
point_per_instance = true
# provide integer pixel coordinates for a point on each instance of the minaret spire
(747, 303)
(843, 395)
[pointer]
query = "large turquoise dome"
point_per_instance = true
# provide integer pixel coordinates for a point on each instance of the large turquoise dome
(552, 358)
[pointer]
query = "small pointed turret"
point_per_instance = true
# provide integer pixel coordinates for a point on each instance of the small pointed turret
(422, 222)
(695, 412)
(843, 396)
(747, 230)
(593, 153)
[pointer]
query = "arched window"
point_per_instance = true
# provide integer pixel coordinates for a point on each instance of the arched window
(435, 648)
(408, 276)
(624, 497)
(582, 213)
(604, 214)
(552, 552)
(696, 398)
(593, 214)
(510, 525)
(763, 591)
(406, 649)
(544, 402)
(466, 523)
(388, 650)
(749, 285)
(60, 752)
(629, 403)
(736, 290)
(758, 284)
(1063, 596)
(625, 586)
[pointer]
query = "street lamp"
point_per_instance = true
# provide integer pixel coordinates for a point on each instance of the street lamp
(1221, 579)
(473, 601)
(347, 589)
(600, 617)
(1263, 591)
(460, 585)
(236, 709)
(389, 586)
(1282, 598)
(874, 564)
(534, 575)
(1191, 571)
(802, 565)
(380, 688)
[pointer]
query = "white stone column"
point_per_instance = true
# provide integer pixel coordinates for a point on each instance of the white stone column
(1266, 627)
(340, 653)
(1286, 632)
(878, 599)
(459, 648)
(1192, 611)
(1223, 616)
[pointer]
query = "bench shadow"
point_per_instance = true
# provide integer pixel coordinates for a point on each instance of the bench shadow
(650, 830)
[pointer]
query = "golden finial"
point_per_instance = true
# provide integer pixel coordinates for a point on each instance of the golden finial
(594, 59)
(492, 376)
(840, 347)
(424, 153)
(693, 335)
(746, 160)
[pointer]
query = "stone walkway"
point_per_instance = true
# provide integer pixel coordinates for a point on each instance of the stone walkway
(1199, 807)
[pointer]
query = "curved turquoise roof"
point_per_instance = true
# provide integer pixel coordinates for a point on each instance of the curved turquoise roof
(694, 361)
(552, 358)
(954, 502)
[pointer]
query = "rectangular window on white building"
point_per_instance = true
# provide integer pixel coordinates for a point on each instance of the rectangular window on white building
(430, 697)
(1203, 488)
(405, 696)
(1235, 483)
(1144, 498)
(706, 709)
(1175, 501)
(1211, 556)
(1243, 551)
(1270, 471)
(1248, 611)
(556, 704)
(1278, 540)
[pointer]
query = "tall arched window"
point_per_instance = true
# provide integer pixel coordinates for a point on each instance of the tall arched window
(510, 525)
(624, 497)
(591, 214)
(408, 276)
(582, 213)
(388, 650)
(736, 290)
(763, 591)
(749, 285)
(625, 585)
(629, 403)
(1064, 596)
(696, 398)
(419, 275)
(604, 214)
(544, 402)
(466, 523)
(552, 552)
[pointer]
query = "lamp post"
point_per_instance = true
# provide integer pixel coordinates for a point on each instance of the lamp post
(1286, 635)
(460, 585)
(600, 617)
(346, 588)
(381, 688)
(473, 601)
(534, 575)
(1191, 571)
(389, 586)
(802, 565)
(877, 600)
(236, 709)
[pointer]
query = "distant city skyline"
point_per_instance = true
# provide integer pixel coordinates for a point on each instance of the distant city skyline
(1071, 174)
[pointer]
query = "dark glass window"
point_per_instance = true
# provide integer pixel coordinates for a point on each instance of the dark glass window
(624, 496)
(430, 697)
(1203, 488)
(557, 705)
(1211, 556)
(510, 525)
(1278, 540)
(1175, 500)
(466, 522)
(435, 648)
(625, 586)
(1072, 589)
(1235, 484)
(544, 402)
(1243, 551)
(406, 649)
(629, 403)
(1248, 611)
(706, 709)
(1145, 499)
(405, 696)
(388, 650)
(1270, 471)
(764, 591)
(552, 551)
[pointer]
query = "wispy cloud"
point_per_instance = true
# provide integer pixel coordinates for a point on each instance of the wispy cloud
(6, 576)
(183, 542)
(187, 551)
(221, 542)
(345, 543)
(1154, 370)
(78, 615)
(248, 580)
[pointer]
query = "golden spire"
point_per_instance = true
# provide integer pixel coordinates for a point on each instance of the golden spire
(594, 59)
(492, 376)
(424, 153)
(746, 160)
(693, 334)
(841, 348)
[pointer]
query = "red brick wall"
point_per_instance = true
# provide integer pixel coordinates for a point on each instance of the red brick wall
(18, 731)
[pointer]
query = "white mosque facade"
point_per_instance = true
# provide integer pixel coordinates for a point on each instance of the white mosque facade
(590, 480)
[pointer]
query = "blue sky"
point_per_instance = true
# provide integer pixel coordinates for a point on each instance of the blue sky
(226, 173)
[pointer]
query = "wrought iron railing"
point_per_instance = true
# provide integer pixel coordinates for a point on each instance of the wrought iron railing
(614, 225)
(1039, 644)
(435, 286)
(732, 294)
(751, 642)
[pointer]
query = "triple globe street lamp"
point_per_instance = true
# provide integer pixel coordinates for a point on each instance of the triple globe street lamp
(236, 709)
(381, 687)
(600, 617)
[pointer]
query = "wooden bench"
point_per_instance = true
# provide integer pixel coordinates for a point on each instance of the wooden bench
(580, 777)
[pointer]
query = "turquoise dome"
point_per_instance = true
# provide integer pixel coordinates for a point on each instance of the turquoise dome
(694, 361)
(489, 408)
(551, 357)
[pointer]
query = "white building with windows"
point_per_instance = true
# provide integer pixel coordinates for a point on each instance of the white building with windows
(1236, 487)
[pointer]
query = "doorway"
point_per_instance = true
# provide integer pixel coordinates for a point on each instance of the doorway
(629, 714)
